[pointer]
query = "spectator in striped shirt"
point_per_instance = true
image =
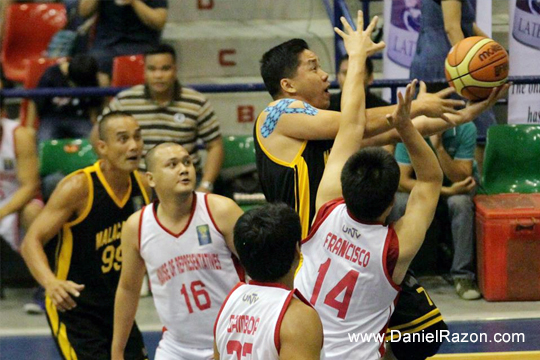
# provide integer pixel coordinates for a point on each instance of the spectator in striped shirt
(167, 111)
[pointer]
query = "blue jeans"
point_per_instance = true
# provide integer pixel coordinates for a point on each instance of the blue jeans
(461, 212)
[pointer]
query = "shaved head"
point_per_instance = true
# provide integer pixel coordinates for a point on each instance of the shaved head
(149, 159)
(103, 124)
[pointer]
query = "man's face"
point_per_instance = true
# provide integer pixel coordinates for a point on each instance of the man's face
(342, 74)
(123, 143)
(160, 73)
(310, 82)
(173, 171)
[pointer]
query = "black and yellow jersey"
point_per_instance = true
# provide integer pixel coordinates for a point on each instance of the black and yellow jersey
(294, 183)
(89, 249)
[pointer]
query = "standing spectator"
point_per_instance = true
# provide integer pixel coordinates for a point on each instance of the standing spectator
(455, 151)
(124, 27)
(170, 112)
(66, 117)
(444, 23)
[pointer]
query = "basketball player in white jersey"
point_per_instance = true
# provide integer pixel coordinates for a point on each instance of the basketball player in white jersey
(19, 180)
(353, 263)
(267, 318)
(185, 243)
(263, 318)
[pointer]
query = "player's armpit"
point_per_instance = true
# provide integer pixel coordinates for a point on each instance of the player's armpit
(301, 333)
(225, 212)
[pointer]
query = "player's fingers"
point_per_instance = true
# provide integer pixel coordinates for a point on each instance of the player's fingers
(389, 119)
(372, 25)
(378, 47)
(453, 103)
(360, 20)
(447, 119)
(400, 99)
(346, 26)
(339, 32)
(423, 87)
(451, 110)
(74, 289)
(446, 92)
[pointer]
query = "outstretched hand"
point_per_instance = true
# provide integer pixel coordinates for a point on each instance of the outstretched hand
(359, 41)
(402, 114)
(437, 105)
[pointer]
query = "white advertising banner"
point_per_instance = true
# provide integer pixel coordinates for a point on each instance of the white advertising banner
(401, 27)
(524, 43)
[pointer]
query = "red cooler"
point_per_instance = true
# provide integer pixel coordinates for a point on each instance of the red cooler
(508, 246)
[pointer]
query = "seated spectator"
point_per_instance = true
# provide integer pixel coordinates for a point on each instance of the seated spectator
(167, 111)
(455, 151)
(372, 100)
(66, 117)
(123, 27)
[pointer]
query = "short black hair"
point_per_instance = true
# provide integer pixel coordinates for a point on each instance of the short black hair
(369, 64)
(281, 62)
(265, 239)
(369, 182)
(82, 70)
(104, 120)
(149, 157)
(161, 49)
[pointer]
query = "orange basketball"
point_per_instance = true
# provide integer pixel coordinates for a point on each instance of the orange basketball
(475, 65)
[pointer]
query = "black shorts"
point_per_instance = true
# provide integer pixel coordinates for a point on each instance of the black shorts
(414, 312)
(82, 334)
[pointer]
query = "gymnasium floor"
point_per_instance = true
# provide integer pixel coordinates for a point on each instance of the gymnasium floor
(27, 336)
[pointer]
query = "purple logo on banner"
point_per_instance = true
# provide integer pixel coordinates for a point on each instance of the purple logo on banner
(527, 23)
(404, 28)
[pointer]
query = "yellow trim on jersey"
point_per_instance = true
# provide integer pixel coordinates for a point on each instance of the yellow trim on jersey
(416, 321)
(272, 157)
(63, 260)
(504, 355)
(59, 330)
(141, 186)
(417, 329)
(90, 200)
(101, 177)
(301, 184)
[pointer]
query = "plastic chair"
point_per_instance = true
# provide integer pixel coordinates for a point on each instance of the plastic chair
(240, 160)
(65, 156)
(511, 160)
(34, 70)
(128, 70)
(28, 29)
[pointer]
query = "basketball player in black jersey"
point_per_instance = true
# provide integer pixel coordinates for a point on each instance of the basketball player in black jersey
(87, 211)
(294, 133)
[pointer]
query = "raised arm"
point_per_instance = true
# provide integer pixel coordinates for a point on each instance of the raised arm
(27, 171)
(353, 105)
(428, 126)
(412, 227)
(129, 286)
(154, 18)
(67, 201)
